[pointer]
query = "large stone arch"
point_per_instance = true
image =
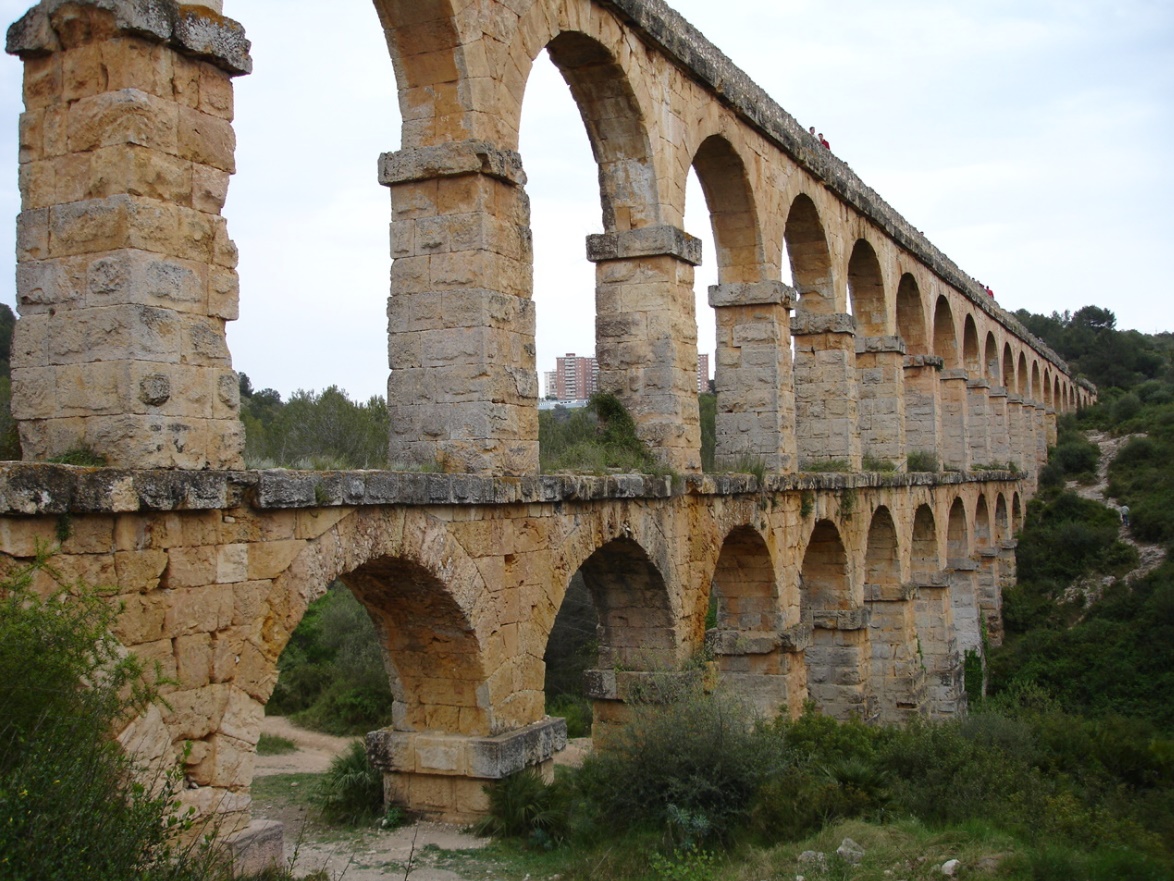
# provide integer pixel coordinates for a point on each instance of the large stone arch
(1008, 376)
(866, 290)
(810, 258)
(733, 211)
(911, 316)
(745, 639)
(897, 678)
(429, 602)
(991, 360)
(431, 70)
(971, 356)
(837, 659)
(945, 338)
(1023, 383)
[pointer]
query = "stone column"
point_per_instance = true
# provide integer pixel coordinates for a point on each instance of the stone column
(826, 411)
(990, 595)
(1052, 428)
(760, 666)
(978, 428)
(125, 272)
(880, 373)
(963, 575)
(1000, 425)
(939, 648)
(838, 663)
(955, 450)
(755, 385)
(463, 388)
(1017, 430)
(898, 674)
(923, 405)
(1039, 420)
(646, 335)
(1007, 564)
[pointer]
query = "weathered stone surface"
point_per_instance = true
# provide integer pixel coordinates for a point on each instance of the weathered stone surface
(649, 241)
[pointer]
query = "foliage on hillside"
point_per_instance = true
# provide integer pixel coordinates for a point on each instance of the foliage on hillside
(595, 439)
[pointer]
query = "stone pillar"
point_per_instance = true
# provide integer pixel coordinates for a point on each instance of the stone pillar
(1007, 564)
(898, 674)
(939, 648)
(990, 595)
(923, 405)
(1017, 430)
(463, 388)
(125, 272)
(1052, 428)
(880, 373)
(955, 450)
(1040, 422)
(755, 385)
(763, 668)
(838, 663)
(646, 335)
(826, 412)
(978, 427)
(1000, 426)
(443, 776)
(963, 575)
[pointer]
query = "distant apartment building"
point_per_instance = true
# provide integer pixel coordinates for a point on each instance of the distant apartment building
(550, 383)
(702, 373)
(576, 379)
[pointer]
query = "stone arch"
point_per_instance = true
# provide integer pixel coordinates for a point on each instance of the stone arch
(733, 213)
(1024, 391)
(1057, 395)
(1048, 399)
(911, 315)
(991, 360)
(1037, 390)
(616, 128)
(428, 600)
(811, 261)
(867, 291)
(630, 596)
(882, 558)
(744, 583)
(971, 358)
(945, 339)
(1003, 530)
(925, 559)
(957, 533)
(982, 524)
(430, 68)
(1008, 368)
(837, 659)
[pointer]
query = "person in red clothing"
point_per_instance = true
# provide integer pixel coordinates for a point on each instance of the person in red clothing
(989, 292)
(824, 141)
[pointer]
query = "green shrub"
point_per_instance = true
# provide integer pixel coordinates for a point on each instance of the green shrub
(575, 710)
(351, 793)
(598, 438)
(273, 745)
(70, 804)
(825, 466)
(922, 460)
(523, 806)
(331, 674)
(698, 753)
(874, 463)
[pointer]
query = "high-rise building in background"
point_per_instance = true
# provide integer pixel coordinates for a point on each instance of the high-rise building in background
(702, 373)
(576, 379)
(550, 378)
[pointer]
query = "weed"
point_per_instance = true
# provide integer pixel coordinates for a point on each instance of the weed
(82, 456)
(875, 463)
(351, 793)
(923, 461)
(806, 503)
(826, 466)
(273, 745)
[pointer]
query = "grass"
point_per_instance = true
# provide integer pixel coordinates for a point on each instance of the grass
(274, 745)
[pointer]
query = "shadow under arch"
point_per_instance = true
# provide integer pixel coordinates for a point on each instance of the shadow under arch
(897, 677)
(867, 291)
(837, 659)
(733, 211)
(810, 258)
(746, 619)
(428, 601)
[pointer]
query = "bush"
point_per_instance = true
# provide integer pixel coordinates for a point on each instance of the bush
(698, 754)
(922, 460)
(351, 793)
(70, 804)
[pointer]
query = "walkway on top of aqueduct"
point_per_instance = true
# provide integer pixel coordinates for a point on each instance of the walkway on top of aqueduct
(861, 589)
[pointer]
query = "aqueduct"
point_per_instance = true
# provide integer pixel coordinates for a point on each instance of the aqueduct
(860, 589)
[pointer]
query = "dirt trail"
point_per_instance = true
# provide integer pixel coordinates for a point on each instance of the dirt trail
(356, 855)
(1150, 556)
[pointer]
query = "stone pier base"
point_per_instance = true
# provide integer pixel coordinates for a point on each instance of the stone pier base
(443, 776)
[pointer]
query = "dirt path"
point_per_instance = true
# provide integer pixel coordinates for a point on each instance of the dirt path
(1151, 556)
(436, 850)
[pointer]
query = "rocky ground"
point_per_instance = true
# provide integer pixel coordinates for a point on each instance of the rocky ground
(1150, 556)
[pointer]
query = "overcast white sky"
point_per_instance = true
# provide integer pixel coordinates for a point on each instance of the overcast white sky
(1029, 139)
